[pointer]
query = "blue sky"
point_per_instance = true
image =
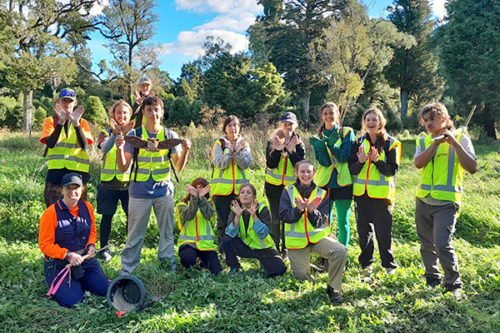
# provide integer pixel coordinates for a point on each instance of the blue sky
(184, 25)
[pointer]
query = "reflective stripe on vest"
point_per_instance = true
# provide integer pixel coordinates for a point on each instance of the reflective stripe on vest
(109, 169)
(249, 236)
(442, 177)
(228, 180)
(299, 234)
(198, 231)
(67, 153)
(370, 180)
(283, 174)
(324, 174)
(149, 163)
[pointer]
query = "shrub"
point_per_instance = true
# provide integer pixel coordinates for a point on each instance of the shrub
(38, 118)
(95, 111)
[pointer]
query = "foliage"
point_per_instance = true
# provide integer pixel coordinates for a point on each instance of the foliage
(39, 117)
(468, 46)
(95, 111)
(414, 70)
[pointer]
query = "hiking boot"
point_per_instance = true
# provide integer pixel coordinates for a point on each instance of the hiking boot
(367, 271)
(106, 255)
(390, 271)
(432, 282)
(455, 291)
(334, 295)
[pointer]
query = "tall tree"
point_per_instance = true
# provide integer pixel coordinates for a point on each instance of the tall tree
(128, 24)
(414, 70)
(288, 35)
(41, 32)
(469, 50)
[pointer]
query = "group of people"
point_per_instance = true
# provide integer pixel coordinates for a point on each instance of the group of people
(301, 195)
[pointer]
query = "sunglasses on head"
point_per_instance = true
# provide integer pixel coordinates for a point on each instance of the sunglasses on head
(67, 93)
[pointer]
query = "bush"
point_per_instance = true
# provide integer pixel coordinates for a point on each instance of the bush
(38, 118)
(95, 111)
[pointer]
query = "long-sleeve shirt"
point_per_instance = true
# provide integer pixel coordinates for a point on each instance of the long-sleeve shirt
(389, 167)
(47, 232)
(273, 157)
(261, 226)
(222, 158)
(290, 214)
(187, 213)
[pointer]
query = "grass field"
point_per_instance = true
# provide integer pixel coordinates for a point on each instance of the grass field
(195, 301)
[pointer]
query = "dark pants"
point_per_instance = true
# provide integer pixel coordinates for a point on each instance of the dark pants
(53, 192)
(107, 202)
(374, 214)
(209, 259)
(223, 207)
(273, 194)
(269, 258)
(435, 228)
(93, 280)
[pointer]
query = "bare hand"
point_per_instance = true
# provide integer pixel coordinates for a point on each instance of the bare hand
(362, 157)
(313, 204)
(291, 145)
(253, 209)
(204, 191)
(448, 137)
(120, 142)
(277, 144)
(301, 204)
(240, 145)
(193, 191)
(114, 126)
(228, 145)
(374, 155)
(91, 252)
(76, 259)
(186, 144)
(236, 208)
(62, 115)
(76, 115)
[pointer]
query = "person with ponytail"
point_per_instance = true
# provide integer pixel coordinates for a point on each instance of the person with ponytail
(375, 160)
(332, 148)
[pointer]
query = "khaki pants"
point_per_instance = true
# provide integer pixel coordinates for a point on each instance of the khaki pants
(328, 248)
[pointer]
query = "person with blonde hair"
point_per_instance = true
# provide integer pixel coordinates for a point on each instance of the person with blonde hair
(114, 183)
(375, 160)
(442, 155)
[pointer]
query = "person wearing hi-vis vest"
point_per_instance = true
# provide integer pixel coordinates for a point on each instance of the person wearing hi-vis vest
(439, 193)
(304, 210)
(196, 236)
(231, 155)
(150, 186)
(284, 149)
(247, 234)
(67, 137)
(114, 183)
(332, 148)
(374, 163)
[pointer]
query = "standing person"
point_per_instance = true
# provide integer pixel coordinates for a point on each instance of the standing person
(196, 236)
(439, 193)
(68, 234)
(332, 148)
(231, 156)
(150, 186)
(284, 149)
(374, 163)
(304, 210)
(247, 234)
(67, 137)
(114, 183)
(145, 90)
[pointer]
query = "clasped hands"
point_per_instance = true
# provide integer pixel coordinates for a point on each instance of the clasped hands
(74, 116)
(373, 154)
(237, 147)
(303, 204)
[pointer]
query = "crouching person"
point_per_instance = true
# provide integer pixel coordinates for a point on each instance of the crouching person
(68, 236)
(304, 208)
(247, 234)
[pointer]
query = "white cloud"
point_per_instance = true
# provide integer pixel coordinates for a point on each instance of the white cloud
(438, 8)
(190, 43)
(98, 7)
(219, 6)
(239, 22)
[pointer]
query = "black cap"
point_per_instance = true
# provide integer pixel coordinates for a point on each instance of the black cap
(289, 117)
(71, 179)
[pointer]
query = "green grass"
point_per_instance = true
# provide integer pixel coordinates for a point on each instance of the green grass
(196, 301)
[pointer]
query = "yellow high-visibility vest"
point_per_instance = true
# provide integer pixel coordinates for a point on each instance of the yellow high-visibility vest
(156, 164)
(249, 236)
(109, 169)
(198, 231)
(283, 174)
(228, 180)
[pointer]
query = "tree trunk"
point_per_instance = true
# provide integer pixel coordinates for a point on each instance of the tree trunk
(404, 104)
(28, 111)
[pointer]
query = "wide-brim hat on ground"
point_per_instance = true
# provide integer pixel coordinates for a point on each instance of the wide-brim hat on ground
(126, 293)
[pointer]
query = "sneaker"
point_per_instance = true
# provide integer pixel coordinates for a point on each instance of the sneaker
(334, 295)
(390, 271)
(367, 271)
(106, 255)
(234, 270)
(456, 292)
(432, 282)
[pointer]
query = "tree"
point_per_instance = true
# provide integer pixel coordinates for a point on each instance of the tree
(356, 46)
(288, 35)
(414, 70)
(128, 24)
(95, 111)
(190, 82)
(469, 50)
(40, 33)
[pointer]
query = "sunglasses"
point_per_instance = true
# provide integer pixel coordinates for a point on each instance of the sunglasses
(67, 93)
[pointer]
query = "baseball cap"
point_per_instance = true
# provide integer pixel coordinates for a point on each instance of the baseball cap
(71, 179)
(289, 117)
(67, 93)
(145, 79)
